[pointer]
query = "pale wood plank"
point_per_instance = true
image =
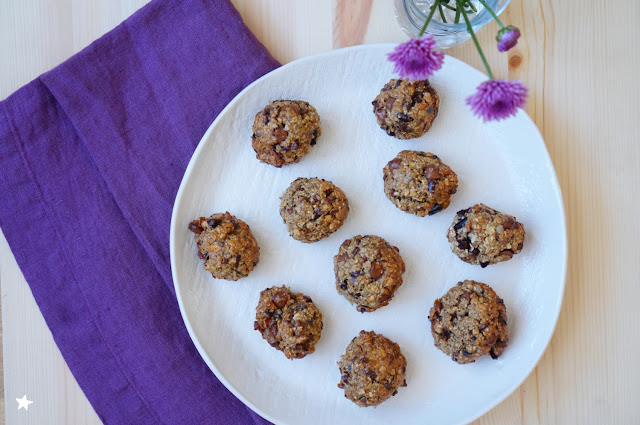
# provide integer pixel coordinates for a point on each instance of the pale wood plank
(590, 112)
(350, 22)
(383, 27)
(290, 29)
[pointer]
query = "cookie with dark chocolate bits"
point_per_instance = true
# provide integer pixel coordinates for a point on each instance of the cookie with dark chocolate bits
(226, 244)
(288, 321)
(313, 208)
(419, 183)
(406, 109)
(469, 321)
(482, 235)
(372, 369)
(284, 131)
(368, 271)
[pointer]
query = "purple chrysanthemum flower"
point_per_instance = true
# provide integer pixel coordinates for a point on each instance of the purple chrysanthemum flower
(495, 100)
(507, 38)
(417, 58)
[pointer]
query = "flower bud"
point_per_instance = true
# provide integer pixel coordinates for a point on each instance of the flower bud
(507, 38)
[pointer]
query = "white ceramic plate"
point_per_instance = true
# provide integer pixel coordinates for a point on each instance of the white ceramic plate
(504, 165)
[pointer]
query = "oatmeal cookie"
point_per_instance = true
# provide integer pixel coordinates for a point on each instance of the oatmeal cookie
(482, 235)
(469, 321)
(368, 271)
(313, 208)
(288, 321)
(284, 131)
(372, 369)
(226, 245)
(419, 183)
(406, 109)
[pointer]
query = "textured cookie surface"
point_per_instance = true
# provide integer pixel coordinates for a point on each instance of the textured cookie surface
(482, 235)
(284, 131)
(313, 208)
(372, 369)
(419, 183)
(226, 245)
(469, 321)
(406, 109)
(368, 271)
(288, 321)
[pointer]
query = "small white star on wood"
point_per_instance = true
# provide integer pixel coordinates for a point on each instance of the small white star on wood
(23, 402)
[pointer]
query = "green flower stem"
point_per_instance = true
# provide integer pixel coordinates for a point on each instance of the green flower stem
(492, 13)
(471, 6)
(455, 9)
(441, 13)
(433, 10)
(475, 39)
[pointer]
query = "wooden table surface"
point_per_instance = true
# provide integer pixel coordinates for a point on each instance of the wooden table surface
(581, 61)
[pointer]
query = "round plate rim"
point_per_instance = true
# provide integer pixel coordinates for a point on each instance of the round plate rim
(382, 47)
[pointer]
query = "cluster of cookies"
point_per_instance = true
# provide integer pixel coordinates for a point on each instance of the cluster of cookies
(468, 322)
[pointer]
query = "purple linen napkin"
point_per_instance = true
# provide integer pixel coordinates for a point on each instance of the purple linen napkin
(91, 157)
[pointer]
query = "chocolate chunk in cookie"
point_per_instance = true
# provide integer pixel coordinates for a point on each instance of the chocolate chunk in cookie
(368, 271)
(289, 321)
(482, 235)
(406, 109)
(313, 208)
(419, 183)
(469, 321)
(372, 369)
(284, 131)
(226, 245)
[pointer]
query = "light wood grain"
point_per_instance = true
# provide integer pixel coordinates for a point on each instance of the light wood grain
(582, 66)
(350, 22)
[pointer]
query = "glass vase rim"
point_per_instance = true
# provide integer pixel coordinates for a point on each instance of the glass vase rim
(479, 20)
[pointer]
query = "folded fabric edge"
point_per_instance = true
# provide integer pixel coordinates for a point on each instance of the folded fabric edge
(39, 81)
(13, 154)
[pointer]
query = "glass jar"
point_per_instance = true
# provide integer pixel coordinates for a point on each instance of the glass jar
(411, 15)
